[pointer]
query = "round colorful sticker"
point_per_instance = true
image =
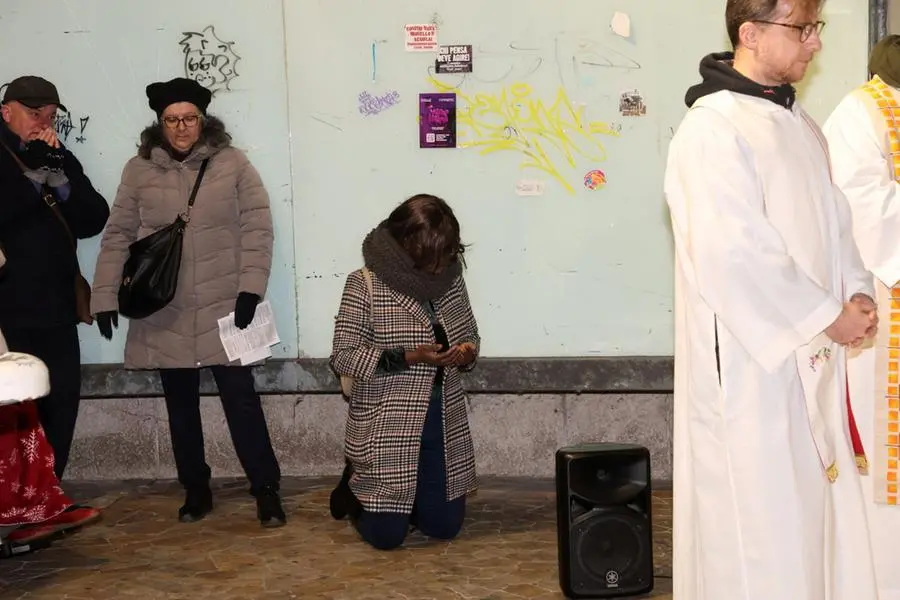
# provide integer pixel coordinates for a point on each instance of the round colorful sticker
(594, 179)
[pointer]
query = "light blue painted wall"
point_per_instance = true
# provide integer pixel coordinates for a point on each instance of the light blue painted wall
(572, 272)
(841, 66)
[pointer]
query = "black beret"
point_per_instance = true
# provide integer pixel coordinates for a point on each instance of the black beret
(180, 89)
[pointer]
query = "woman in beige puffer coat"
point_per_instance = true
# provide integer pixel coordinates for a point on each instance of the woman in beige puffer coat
(227, 255)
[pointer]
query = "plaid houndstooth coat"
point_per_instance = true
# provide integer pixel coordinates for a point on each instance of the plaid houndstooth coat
(387, 412)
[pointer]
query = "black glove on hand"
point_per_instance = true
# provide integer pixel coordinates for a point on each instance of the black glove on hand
(106, 321)
(244, 309)
(38, 153)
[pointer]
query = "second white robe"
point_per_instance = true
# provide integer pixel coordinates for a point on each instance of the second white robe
(858, 142)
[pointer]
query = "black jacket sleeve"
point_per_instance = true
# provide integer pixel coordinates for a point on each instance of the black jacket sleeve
(18, 197)
(85, 210)
(392, 361)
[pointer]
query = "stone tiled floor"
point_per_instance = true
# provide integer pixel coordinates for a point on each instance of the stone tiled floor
(507, 550)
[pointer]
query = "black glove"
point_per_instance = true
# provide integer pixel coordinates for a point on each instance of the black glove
(38, 154)
(106, 321)
(244, 309)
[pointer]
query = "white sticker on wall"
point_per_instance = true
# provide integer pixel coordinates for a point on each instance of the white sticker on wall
(421, 37)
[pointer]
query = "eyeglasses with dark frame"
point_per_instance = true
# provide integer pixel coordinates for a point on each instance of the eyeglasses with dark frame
(805, 29)
(189, 121)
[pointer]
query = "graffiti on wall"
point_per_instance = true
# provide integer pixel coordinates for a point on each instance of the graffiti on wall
(209, 60)
(551, 134)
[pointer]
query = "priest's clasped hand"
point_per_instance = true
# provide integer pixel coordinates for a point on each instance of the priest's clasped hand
(857, 322)
(868, 305)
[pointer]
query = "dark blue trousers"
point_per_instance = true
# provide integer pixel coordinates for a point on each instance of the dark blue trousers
(434, 516)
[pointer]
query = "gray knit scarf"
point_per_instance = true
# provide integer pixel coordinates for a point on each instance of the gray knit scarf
(395, 267)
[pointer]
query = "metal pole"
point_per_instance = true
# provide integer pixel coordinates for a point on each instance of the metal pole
(878, 21)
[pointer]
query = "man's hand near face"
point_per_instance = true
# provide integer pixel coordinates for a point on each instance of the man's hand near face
(39, 153)
(48, 136)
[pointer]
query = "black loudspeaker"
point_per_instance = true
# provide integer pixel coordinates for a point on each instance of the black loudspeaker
(603, 520)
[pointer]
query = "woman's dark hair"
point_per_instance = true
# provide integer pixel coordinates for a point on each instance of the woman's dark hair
(425, 226)
(213, 135)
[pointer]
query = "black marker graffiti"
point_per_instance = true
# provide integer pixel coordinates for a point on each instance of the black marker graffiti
(84, 121)
(208, 60)
(65, 126)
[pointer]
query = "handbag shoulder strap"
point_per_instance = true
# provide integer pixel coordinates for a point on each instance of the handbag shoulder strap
(47, 196)
(196, 188)
(367, 276)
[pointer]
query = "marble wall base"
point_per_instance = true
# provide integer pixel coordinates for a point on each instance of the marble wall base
(515, 435)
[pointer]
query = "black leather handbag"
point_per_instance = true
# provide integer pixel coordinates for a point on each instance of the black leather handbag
(150, 275)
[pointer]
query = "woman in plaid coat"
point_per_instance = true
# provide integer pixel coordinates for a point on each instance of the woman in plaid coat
(410, 458)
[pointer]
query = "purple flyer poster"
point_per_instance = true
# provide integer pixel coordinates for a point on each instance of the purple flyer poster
(437, 120)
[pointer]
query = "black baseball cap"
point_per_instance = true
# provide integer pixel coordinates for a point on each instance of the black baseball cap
(33, 92)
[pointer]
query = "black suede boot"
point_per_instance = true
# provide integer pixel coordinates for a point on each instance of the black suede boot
(414, 517)
(342, 501)
(198, 503)
(268, 507)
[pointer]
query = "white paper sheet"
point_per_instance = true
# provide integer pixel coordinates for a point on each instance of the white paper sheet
(251, 344)
(621, 24)
(255, 357)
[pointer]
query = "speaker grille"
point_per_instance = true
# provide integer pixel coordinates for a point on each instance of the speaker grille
(611, 547)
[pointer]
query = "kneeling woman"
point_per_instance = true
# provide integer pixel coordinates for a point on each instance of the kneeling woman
(404, 335)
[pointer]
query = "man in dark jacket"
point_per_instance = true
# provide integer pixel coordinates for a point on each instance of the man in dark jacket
(37, 283)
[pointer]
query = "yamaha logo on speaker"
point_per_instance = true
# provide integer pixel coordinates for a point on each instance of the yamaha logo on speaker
(612, 578)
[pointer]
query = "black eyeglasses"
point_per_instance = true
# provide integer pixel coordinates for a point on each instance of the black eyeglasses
(805, 29)
(189, 121)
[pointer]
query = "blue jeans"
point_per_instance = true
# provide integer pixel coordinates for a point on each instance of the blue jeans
(434, 515)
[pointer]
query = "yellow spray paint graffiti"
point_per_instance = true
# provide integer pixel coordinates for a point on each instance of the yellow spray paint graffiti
(514, 120)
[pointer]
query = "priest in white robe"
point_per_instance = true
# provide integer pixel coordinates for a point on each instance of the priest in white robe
(864, 140)
(769, 290)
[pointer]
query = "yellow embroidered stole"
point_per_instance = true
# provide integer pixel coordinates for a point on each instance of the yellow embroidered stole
(887, 384)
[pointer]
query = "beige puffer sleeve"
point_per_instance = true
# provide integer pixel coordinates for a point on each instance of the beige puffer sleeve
(121, 231)
(257, 236)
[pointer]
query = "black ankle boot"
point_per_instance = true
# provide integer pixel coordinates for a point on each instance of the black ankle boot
(342, 501)
(198, 503)
(268, 507)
